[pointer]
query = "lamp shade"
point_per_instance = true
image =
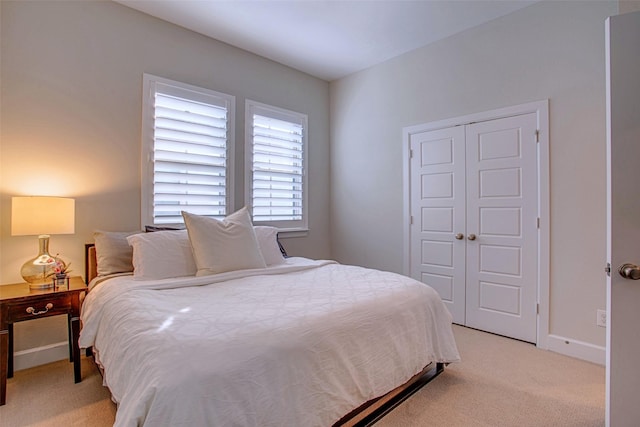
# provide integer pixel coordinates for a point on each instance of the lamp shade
(34, 215)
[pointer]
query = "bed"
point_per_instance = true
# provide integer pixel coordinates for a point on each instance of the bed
(289, 342)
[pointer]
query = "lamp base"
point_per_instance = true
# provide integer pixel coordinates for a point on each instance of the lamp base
(38, 271)
(41, 286)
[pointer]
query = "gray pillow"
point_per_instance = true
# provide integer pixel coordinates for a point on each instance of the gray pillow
(113, 253)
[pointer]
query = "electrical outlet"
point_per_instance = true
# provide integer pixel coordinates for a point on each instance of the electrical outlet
(601, 319)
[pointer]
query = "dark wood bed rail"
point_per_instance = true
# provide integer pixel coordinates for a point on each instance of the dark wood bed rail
(90, 262)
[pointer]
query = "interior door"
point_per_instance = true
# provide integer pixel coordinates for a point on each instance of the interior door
(623, 219)
(502, 212)
(474, 214)
(437, 209)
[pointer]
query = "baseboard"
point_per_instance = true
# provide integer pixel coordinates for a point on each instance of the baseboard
(578, 349)
(29, 358)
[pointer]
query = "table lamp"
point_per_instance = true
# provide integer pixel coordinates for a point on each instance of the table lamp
(42, 216)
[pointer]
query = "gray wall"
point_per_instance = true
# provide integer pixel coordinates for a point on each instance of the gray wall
(71, 103)
(551, 50)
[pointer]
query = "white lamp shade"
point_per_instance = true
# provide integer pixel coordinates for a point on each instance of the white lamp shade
(34, 215)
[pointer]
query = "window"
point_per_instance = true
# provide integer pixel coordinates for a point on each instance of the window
(276, 187)
(186, 156)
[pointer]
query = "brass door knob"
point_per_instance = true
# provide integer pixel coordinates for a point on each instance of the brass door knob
(471, 237)
(459, 236)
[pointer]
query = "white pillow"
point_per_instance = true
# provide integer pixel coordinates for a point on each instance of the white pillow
(268, 243)
(226, 245)
(161, 255)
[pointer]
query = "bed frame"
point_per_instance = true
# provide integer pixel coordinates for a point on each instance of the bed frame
(365, 415)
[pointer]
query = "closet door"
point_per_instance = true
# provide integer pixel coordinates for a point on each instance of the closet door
(474, 209)
(438, 214)
(502, 212)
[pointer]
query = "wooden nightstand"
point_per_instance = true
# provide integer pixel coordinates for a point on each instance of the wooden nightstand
(19, 303)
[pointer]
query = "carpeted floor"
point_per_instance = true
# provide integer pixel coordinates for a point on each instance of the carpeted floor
(500, 382)
(504, 382)
(47, 396)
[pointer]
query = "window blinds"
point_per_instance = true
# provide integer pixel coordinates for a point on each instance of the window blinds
(189, 155)
(278, 169)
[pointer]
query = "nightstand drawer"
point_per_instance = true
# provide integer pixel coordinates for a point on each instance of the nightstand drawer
(40, 307)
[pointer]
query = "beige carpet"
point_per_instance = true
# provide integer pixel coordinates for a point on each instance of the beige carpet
(47, 396)
(504, 382)
(500, 382)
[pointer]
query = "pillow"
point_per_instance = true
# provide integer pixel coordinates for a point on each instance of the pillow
(113, 253)
(162, 255)
(268, 244)
(226, 245)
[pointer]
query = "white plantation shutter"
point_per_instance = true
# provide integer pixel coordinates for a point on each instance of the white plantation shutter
(187, 162)
(276, 146)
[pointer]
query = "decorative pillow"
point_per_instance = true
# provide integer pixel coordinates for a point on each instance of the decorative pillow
(162, 255)
(264, 234)
(226, 245)
(113, 253)
(268, 244)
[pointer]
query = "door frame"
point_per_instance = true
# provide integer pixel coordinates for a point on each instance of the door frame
(541, 108)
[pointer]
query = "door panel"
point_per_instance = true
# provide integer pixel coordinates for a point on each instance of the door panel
(500, 298)
(623, 218)
(502, 260)
(499, 183)
(437, 207)
(437, 185)
(500, 221)
(499, 144)
(437, 219)
(502, 211)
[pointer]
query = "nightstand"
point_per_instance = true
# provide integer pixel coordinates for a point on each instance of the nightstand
(18, 303)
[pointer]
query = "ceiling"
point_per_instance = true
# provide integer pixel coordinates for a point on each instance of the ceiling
(328, 39)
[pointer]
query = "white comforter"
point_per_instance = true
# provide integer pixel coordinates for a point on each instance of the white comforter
(301, 344)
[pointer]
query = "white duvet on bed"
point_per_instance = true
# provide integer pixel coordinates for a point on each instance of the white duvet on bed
(300, 344)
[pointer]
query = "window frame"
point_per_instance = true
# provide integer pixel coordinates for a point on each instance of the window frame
(150, 87)
(292, 228)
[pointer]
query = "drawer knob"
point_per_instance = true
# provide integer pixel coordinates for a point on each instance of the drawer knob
(33, 311)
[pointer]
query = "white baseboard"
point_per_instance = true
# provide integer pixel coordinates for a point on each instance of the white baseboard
(578, 349)
(29, 358)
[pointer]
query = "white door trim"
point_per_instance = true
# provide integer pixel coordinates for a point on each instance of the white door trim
(541, 108)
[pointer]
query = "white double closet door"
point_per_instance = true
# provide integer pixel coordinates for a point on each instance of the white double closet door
(474, 208)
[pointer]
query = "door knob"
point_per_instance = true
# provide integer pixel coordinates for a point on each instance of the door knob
(471, 237)
(459, 236)
(629, 271)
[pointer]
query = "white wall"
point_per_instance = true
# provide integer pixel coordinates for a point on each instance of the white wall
(551, 50)
(71, 102)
